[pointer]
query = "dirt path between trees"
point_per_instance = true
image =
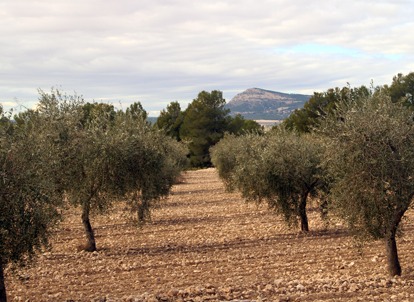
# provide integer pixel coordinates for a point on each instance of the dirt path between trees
(204, 244)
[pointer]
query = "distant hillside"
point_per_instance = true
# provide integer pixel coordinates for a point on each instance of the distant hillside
(152, 119)
(260, 104)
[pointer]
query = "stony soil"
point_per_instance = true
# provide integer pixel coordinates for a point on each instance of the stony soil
(204, 244)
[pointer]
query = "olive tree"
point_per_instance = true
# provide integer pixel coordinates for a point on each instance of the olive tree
(83, 151)
(107, 155)
(224, 157)
(281, 168)
(149, 163)
(371, 159)
(29, 197)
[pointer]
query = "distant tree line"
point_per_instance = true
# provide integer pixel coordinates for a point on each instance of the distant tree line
(203, 124)
(352, 149)
(321, 104)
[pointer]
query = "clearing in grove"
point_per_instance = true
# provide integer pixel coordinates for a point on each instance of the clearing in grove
(204, 244)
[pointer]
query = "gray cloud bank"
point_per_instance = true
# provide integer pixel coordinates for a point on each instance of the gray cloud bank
(161, 51)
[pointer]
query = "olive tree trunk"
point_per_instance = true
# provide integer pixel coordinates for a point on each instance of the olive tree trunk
(394, 267)
(304, 225)
(3, 296)
(90, 236)
(143, 210)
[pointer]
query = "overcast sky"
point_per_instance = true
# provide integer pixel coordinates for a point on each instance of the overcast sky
(158, 51)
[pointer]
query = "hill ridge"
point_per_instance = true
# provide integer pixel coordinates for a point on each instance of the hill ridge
(263, 104)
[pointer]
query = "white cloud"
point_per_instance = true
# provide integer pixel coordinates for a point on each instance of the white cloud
(160, 51)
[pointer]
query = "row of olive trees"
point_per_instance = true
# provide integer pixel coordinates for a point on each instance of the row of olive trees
(68, 152)
(360, 159)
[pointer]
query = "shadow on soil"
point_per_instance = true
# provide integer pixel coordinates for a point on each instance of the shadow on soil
(234, 244)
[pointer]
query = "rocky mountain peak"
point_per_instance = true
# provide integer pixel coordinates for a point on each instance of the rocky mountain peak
(257, 103)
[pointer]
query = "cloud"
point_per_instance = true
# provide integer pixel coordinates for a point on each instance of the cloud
(160, 51)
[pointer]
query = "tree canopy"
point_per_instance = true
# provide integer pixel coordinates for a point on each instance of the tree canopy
(204, 125)
(108, 155)
(29, 196)
(170, 120)
(319, 105)
(402, 89)
(371, 160)
(280, 168)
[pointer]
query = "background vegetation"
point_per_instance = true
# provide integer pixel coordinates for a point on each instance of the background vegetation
(202, 125)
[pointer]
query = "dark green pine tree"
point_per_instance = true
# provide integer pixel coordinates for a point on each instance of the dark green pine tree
(204, 124)
(170, 120)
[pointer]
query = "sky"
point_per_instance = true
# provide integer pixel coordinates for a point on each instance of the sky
(159, 51)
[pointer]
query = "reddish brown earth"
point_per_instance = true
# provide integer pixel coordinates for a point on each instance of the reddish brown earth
(204, 244)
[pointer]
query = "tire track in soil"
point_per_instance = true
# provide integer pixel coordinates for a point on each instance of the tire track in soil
(204, 244)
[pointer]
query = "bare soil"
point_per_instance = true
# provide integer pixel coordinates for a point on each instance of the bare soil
(204, 244)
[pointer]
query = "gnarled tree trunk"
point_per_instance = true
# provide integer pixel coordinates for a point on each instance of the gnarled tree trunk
(90, 236)
(304, 226)
(394, 267)
(3, 296)
(143, 210)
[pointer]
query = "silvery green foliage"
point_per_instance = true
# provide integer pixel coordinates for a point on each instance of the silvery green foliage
(29, 196)
(281, 168)
(371, 158)
(85, 153)
(106, 156)
(149, 163)
(225, 154)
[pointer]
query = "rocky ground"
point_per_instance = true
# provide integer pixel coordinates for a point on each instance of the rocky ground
(204, 244)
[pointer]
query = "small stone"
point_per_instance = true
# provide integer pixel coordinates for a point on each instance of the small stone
(278, 282)
(385, 283)
(300, 287)
(172, 292)
(268, 287)
(353, 288)
(208, 285)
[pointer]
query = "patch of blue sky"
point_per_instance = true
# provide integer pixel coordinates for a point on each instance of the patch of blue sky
(336, 50)
(324, 49)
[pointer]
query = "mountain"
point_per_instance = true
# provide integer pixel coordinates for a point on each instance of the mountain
(260, 104)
